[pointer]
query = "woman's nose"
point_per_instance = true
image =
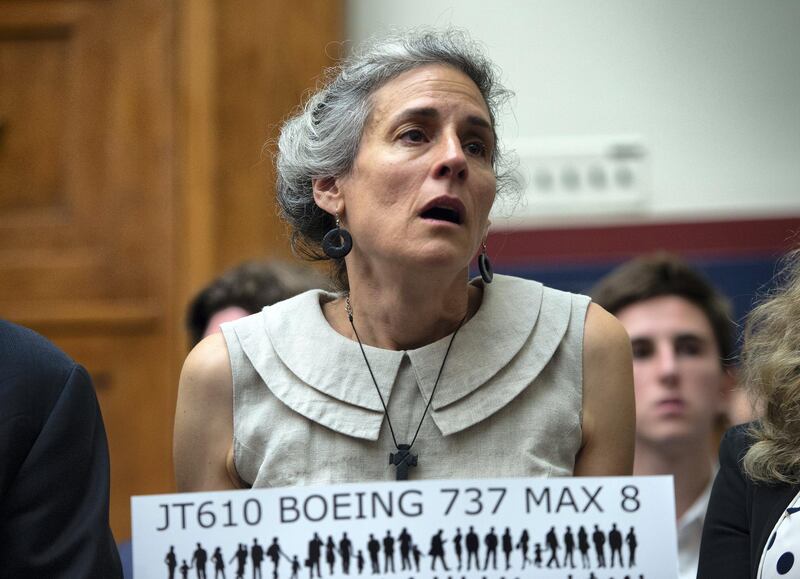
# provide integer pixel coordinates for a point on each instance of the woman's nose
(452, 162)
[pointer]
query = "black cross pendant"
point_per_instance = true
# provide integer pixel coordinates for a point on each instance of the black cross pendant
(402, 459)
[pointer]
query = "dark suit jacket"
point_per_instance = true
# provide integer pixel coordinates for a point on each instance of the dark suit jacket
(54, 469)
(741, 514)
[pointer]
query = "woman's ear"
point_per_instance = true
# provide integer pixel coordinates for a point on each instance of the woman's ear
(327, 195)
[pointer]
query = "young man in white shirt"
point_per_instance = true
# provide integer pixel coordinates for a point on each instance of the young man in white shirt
(682, 338)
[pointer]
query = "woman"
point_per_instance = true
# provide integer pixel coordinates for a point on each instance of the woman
(219, 563)
(330, 553)
(750, 524)
(390, 171)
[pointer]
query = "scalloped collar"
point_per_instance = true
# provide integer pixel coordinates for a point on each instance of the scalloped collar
(485, 345)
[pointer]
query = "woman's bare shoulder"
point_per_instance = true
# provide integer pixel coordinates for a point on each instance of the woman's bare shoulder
(608, 408)
(207, 368)
(204, 418)
(604, 335)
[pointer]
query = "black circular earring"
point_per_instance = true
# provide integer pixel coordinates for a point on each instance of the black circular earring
(337, 242)
(485, 266)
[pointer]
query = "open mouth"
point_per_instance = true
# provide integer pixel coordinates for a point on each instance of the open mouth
(442, 214)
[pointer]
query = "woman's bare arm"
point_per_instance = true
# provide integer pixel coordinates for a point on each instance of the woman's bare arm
(203, 434)
(609, 419)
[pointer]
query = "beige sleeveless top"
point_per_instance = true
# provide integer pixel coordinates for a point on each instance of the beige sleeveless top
(508, 403)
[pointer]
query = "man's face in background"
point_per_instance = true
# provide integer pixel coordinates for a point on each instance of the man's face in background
(679, 381)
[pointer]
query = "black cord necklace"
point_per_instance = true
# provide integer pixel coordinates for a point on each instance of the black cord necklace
(403, 458)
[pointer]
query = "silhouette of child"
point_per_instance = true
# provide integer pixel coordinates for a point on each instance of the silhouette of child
(417, 554)
(537, 552)
(185, 570)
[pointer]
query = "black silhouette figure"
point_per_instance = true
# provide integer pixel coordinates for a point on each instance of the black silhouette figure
(630, 538)
(274, 553)
(219, 563)
(569, 547)
(295, 567)
(522, 545)
(240, 556)
(583, 547)
(490, 540)
(416, 553)
(314, 556)
(374, 548)
(592, 576)
(346, 552)
(184, 570)
(457, 546)
(599, 540)
(330, 554)
(552, 544)
(388, 552)
(171, 562)
(256, 556)
(360, 562)
(200, 558)
(405, 550)
(472, 544)
(615, 542)
(437, 550)
(508, 547)
(537, 555)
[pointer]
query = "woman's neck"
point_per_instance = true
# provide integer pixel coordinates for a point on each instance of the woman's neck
(396, 312)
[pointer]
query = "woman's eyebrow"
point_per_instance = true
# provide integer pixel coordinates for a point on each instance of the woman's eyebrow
(479, 122)
(415, 113)
(432, 113)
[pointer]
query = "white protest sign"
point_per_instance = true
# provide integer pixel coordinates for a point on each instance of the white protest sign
(565, 528)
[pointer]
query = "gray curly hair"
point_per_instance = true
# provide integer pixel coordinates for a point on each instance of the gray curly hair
(322, 139)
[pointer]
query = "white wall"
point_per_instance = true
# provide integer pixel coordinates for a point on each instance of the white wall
(712, 88)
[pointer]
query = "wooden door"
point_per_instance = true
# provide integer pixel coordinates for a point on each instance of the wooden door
(118, 189)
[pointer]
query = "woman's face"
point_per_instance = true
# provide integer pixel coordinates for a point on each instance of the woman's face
(422, 184)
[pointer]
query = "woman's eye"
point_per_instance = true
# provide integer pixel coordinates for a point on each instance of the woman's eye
(476, 148)
(414, 136)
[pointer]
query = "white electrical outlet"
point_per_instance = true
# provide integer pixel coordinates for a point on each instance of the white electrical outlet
(578, 177)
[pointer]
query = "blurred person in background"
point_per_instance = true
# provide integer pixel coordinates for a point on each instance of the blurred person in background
(246, 289)
(682, 338)
(54, 466)
(753, 521)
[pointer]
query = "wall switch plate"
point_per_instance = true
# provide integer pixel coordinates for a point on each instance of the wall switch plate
(574, 178)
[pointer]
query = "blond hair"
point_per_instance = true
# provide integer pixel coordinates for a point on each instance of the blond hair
(771, 375)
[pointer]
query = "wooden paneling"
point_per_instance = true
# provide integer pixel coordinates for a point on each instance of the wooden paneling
(131, 172)
(86, 210)
(197, 89)
(32, 66)
(85, 161)
(266, 63)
